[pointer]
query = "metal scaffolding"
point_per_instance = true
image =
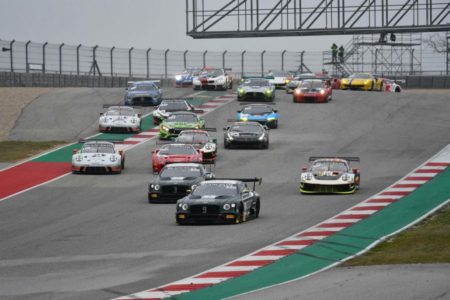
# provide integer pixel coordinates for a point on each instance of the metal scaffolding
(255, 18)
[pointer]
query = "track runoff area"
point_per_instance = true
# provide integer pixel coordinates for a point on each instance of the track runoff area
(374, 126)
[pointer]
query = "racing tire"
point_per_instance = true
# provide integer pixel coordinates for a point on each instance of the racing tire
(196, 88)
(230, 86)
(265, 145)
(372, 86)
(240, 216)
(257, 209)
(226, 145)
(273, 125)
(122, 165)
(397, 90)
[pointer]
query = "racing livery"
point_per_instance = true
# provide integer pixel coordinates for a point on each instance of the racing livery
(362, 81)
(119, 119)
(219, 201)
(279, 78)
(174, 153)
(256, 89)
(246, 134)
(330, 175)
(185, 77)
(177, 122)
(143, 93)
(261, 113)
(392, 86)
(312, 90)
(213, 79)
(96, 156)
(175, 181)
(201, 140)
(169, 106)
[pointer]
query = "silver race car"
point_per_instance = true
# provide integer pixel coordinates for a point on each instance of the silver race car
(98, 157)
(119, 119)
(256, 89)
(169, 106)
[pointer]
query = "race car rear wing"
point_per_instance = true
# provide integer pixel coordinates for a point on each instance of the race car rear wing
(254, 180)
(264, 103)
(82, 141)
(347, 158)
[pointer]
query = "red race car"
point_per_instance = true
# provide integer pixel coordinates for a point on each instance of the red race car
(312, 91)
(174, 153)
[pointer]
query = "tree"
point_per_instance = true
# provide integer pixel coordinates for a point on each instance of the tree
(438, 42)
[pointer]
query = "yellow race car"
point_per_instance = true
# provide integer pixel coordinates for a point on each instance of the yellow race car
(362, 81)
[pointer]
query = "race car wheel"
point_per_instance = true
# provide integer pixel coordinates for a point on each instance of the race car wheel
(226, 144)
(122, 165)
(257, 208)
(240, 214)
(397, 90)
(273, 125)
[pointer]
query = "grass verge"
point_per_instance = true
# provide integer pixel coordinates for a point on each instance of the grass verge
(426, 242)
(11, 151)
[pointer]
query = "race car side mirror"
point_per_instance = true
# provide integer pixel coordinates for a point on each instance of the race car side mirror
(75, 151)
(209, 176)
(304, 169)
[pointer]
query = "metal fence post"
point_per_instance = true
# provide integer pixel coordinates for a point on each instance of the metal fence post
(411, 67)
(43, 56)
(11, 57)
(184, 59)
(112, 60)
(262, 62)
(148, 62)
(301, 61)
(165, 63)
(78, 60)
(129, 61)
(223, 58)
(27, 68)
(282, 59)
(94, 60)
(60, 58)
(204, 58)
(242, 62)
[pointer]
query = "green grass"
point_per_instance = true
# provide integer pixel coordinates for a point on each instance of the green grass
(11, 151)
(426, 242)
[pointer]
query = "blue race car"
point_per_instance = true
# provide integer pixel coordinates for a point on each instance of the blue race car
(185, 78)
(261, 113)
(143, 93)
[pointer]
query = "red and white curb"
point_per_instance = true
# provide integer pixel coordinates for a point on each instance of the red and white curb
(300, 240)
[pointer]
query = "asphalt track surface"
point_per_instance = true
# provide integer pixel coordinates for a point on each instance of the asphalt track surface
(96, 237)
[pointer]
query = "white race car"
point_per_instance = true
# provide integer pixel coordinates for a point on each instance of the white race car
(119, 119)
(169, 106)
(213, 79)
(279, 78)
(392, 86)
(98, 157)
(329, 175)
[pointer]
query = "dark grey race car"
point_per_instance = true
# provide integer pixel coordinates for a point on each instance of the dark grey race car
(246, 134)
(220, 201)
(175, 181)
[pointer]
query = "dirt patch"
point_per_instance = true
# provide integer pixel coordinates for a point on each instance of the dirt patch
(12, 101)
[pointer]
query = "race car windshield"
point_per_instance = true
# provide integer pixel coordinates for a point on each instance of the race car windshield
(182, 171)
(334, 166)
(193, 137)
(360, 75)
(120, 112)
(278, 74)
(182, 118)
(257, 110)
(256, 82)
(177, 150)
(246, 128)
(312, 85)
(215, 73)
(216, 190)
(97, 148)
(144, 87)
(173, 106)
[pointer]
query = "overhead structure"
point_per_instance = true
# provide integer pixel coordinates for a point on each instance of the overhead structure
(264, 18)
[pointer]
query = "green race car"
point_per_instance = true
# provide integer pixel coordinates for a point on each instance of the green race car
(177, 122)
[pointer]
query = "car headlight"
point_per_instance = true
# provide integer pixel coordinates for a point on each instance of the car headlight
(113, 158)
(308, 176)
(322, 91)
(243, 119)
(79, 158)
(271, 119)
(345, 177)
(178, 77)
(261, 137)
(268, 92)
(226, 206)
(297, 91)
(220, 80)
(241, 91)
(229, 137)
(164, 128)
(209, 146)
(184, 206)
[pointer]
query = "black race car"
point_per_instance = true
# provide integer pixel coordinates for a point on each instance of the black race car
(246, 134)
(220, 201)
(175, 181)
(169, 106)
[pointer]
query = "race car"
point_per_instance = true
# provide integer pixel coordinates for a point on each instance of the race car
(292, 85)
(169, 106)
(175, 181)
(185, 78)
(174, 153)
(213, 79)
(312, 91)
(261, 113)
(98, 156)
(119, 119)
(246, 134)
(279, 78)
(256, 89)
(362, 81)
(201, 140)
(390, 85)
(330, 175)
(220, 201)
(177, 122)
(143, 93)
